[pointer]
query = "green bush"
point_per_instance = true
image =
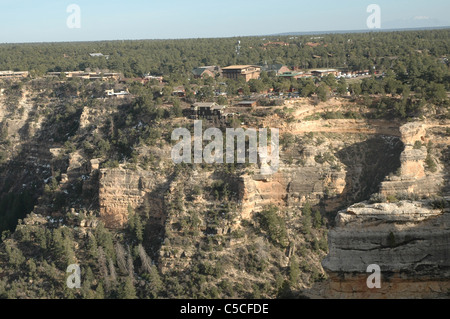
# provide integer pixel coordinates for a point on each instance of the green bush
(431, 164)
(274, 226)
(377, 198)
(391, 199)
(418, 145)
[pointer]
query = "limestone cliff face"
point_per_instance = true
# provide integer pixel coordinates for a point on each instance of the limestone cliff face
(292, 185)
(413, 176)
(121, 188)
(338, 172)
(409, 241)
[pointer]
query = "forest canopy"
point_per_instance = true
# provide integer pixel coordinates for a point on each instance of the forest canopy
(382, 50)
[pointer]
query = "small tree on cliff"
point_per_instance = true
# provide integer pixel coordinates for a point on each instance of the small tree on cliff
(294, 270)
(135, 225)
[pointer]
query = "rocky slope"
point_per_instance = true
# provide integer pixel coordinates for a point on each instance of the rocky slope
(102, 177)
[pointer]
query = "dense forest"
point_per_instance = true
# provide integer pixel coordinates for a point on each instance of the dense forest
(177, 58)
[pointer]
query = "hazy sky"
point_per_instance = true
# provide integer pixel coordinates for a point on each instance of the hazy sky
(46, 20)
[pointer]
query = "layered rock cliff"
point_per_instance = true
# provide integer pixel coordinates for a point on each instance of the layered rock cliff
(409, 240)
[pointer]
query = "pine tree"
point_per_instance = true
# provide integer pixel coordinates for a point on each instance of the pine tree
(156, 284)
(99, 292)
(15, 255)
(294, 270)
(127, 290)
(139, 228)
(146, 262)
(121, 259)
(130, 264)
(317, 219)
(102, 267)
(92, 246)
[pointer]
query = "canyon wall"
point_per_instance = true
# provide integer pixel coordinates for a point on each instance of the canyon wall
(122, 189)
(409, 240)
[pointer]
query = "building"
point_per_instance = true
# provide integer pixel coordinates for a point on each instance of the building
(250, 104)
(277, 68)
(207, 110)
(13, 75)
(88, 75)
(98, 55)
(312, 44)
(304, 75)
(179, 91)
(325, 72)
(281, 44)
(206, 71)
(201, 73)
(149, 77)
(291, 75)
(246, 72)
(121, 94)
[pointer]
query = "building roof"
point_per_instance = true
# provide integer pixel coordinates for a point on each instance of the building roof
(290, 74)
(218, 107)
(204, 104)
(324, 70)
(238, 67)
(247, 102)
(200, 71)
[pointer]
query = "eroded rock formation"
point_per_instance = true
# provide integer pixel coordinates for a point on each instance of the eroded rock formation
(409, 241)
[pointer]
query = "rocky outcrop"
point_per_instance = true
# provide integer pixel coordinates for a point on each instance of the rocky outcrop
(120, 189)
(333, 174)
(376, 127)
(413, 176)
(409, 241)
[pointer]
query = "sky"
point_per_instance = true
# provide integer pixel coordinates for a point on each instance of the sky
(46, 20)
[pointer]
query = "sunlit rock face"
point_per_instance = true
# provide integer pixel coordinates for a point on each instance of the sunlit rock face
(409, 241)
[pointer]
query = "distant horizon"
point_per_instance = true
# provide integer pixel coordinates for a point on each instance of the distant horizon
(53, 21)
(283, 34)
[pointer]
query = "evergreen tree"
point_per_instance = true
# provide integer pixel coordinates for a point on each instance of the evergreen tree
(127, 290)
(294, 270)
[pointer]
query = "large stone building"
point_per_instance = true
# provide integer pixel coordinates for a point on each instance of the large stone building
(247, 72)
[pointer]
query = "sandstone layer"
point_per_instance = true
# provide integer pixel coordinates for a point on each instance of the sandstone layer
(410, 242)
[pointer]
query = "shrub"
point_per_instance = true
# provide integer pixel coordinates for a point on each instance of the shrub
(274, 226)
(319, 159)
(418, 145)
(377, 198)
(439, 203)
(392, 199)
(431, 164)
